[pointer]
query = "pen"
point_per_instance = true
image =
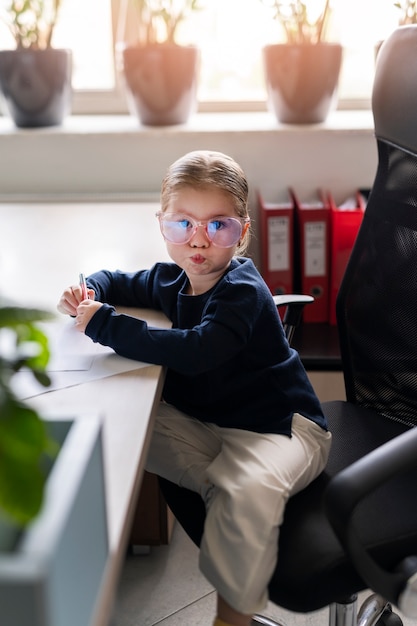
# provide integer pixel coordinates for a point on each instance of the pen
(83, 286)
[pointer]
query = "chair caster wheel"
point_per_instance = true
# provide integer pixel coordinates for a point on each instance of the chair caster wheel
(389, 618)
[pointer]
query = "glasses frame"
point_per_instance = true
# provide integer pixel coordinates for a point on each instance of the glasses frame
(243, 222)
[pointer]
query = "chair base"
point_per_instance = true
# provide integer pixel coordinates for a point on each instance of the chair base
(373, 610)
(260, 620)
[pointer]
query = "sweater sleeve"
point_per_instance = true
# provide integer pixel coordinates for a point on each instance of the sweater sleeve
(222, 332)
(144, 288)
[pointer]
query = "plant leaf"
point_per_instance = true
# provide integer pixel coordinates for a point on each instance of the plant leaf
(11, 315)
(23, 444)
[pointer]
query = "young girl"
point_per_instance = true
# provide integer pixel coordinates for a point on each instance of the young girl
(239, 421)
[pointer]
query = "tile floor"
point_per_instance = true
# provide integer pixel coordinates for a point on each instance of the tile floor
(165, 588)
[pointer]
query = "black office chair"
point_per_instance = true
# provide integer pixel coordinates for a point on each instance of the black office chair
(355, 526)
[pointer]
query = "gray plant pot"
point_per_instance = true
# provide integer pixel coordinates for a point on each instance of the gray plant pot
(302, 80)
(161, 82)
(36, 86)
(53, 575)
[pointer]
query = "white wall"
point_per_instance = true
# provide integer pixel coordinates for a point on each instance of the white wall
(113, 157)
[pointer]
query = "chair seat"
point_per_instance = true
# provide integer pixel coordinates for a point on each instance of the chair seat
(313, 570)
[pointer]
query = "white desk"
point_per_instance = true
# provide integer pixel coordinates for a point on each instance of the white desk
(127, 402)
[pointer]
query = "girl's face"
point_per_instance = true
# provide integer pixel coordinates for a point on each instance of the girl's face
(203, 262)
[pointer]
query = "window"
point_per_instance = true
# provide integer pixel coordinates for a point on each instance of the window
(230, 34)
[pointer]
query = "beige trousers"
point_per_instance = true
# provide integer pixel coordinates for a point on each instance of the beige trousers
(245, 479)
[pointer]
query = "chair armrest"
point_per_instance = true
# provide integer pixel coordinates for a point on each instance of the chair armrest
(295, 304)
(343, 494)
(292, 298)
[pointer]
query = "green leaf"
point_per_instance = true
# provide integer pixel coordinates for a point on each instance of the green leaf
(24, 442)
(42, 378)
(11, 316)
(31, 343)
(29, 333)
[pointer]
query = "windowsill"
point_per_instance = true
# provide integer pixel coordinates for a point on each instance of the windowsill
(253, 122)
(104, 157)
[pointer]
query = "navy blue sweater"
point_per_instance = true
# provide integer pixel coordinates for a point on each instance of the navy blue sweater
(228, 361)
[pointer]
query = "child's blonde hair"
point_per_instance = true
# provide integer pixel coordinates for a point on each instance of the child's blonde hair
(202, 169)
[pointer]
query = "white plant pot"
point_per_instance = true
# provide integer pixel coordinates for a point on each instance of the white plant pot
(53, 576)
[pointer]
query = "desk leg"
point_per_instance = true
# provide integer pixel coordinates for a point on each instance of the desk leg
(153, 521)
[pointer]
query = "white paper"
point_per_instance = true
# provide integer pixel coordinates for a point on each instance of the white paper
(75, 359)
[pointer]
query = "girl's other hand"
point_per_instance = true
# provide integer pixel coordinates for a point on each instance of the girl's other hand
(85, 312)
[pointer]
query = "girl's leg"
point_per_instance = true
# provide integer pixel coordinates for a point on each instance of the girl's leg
(227, 616)
(182, 448)
(254, 476)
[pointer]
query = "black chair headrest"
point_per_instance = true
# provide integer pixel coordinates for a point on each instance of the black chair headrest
(394, 97)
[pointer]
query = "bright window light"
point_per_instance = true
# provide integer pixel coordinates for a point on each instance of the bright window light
(91, 40)
(230, 34)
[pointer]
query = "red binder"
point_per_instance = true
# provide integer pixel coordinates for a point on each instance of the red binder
(345, 222)
(312, 254)
(277, 245)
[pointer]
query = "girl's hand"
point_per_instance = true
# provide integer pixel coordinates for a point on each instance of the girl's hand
(71, 298)
(85, 312)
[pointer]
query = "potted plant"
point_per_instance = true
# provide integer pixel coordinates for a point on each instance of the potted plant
(407, 16)
(23, 436)
(52, 498)
(302, 73)
(408, 12)
(35, 78)
(160, 74)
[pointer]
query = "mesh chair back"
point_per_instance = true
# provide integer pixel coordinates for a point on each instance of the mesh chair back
(377, 302)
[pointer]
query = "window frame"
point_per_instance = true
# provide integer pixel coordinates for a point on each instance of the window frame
(113, 101)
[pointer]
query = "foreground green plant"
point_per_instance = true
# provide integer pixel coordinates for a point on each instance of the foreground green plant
(24, 442)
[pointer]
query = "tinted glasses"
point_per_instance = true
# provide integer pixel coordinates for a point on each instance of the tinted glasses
(223, 232)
